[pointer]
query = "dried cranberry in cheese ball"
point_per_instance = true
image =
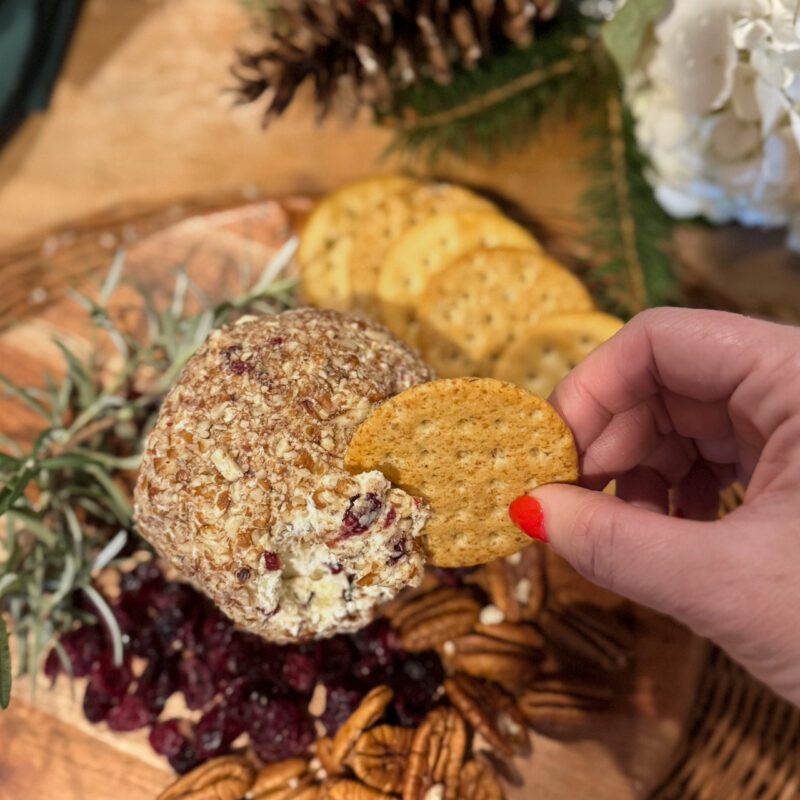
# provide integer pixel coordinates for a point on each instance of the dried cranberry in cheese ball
(242, 486)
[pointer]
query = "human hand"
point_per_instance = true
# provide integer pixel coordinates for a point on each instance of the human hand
(677, 405)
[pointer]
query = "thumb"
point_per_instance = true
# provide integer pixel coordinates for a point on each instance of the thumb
(648, 557)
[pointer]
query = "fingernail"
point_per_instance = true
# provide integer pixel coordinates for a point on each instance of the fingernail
(678, 512)
(527, 514)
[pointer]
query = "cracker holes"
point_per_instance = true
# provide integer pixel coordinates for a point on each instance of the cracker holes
(462, 455)
(586, 341)
(463, 422)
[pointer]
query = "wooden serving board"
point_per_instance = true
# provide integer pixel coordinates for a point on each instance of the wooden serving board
(49, 750)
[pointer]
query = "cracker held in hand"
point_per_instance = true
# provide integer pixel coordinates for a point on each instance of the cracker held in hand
(378, 231)
(468, 447)
(428, 248)
(473, 309)
(327, 238)
(547, 351)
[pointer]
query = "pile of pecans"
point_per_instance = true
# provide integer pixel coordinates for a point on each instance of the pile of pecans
(517, 654)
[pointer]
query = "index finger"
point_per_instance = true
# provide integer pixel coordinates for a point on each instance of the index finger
(702, 355)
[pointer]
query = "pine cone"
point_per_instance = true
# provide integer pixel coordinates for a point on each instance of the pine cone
(366, 49)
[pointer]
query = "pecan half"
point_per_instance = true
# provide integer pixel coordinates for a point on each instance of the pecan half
(470, 698)
(516, 584)
(591, 633)
(560, 708)
(380, 757)
(225, 778)
(509, 663)
(479, 782)
(280, 775)
(324, 750)
(351, 790)
(437, 752)
(368, 713)
(433, 618)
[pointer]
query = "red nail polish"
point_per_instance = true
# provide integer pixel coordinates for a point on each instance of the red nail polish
(527, 514)
(678, 512)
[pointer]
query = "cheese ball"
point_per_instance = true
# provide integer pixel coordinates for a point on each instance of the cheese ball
(242, 485)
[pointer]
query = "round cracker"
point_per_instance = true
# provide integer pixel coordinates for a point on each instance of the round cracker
(468, 446)
(386, 223)
(547, 351)
(430, 246)
(473, 309)
(327, 238)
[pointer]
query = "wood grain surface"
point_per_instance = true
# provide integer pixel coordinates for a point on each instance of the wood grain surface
(50, 749)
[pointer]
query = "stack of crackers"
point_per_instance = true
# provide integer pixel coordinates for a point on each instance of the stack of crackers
(447, 272)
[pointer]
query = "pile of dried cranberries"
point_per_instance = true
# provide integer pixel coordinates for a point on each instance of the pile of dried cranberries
(175, 640)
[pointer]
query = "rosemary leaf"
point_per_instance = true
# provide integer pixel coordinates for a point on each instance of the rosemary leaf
(110, 620)
(5, 666)
(110, 551)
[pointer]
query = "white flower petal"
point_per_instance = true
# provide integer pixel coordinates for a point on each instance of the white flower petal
(750, 33)
(732, 139)
(677, 203)
(773, 105)
(743, 95)
(697, 58)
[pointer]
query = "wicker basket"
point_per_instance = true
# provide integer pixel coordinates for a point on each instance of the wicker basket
(742, 742)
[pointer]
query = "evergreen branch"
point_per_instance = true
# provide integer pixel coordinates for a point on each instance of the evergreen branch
(629, 229)
(500, 102)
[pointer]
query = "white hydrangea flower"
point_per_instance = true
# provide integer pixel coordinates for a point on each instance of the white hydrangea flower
(716, 99)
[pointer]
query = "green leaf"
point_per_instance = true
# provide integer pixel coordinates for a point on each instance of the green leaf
(624, 34)
(5, 666)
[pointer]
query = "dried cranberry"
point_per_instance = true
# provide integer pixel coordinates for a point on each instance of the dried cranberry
(390, 517)
(52, 665)
(216, 630)
(177, 595)
(96, 703)
(196, 682)
(185, 760)
(335, 568)
(411, 704)
(111, 679)
(158, 683)
(341, 702)
(166, 738)
(281, 730)
(380, 640)
(398, 552)
(84, 647)
(362, 512)
(214, 732)
(299, 671)
(272, 561)
(276, 340)
(167, 626)
(142, 581)
(130, 714)
(334, 657)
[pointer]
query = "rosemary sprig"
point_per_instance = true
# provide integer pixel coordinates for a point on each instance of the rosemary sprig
(65, 501)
